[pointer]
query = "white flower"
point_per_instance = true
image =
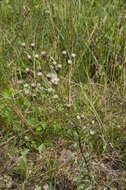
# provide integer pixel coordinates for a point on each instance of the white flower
(32, 45)
(69, 61)
(73, 55)
(27, 70)
(33, 85)
(55, 81)
(36, 56)
(29, 57)
(50, 90)
(59, 66)
(92, 132)
(64, 52)
(78, 117)
(82, 116)
(68, 106)
(25, 85)
(23, 44)
(51, 76)
(93, 122)
(39, 74)
(27, 92)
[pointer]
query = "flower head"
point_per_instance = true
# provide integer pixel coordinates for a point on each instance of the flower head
(44, 54)
(69, 61)
(32, 46)
(23, 44)
(64, 52)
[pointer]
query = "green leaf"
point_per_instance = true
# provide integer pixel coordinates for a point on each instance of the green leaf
(81, 186)
(39, 129)
(41, 148)
(24, 151)
(7, 93)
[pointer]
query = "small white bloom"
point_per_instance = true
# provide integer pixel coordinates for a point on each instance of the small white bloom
(36, 56)
(25, 85)
(50, 90)
(55, 81)
(32, 45)
(23, 44)
(69, 61)
(33, 85)
(73, 55)
(93, 122)
(68, 106)
(78, 117)
(59, 66)
(27, 69)
(39, 74)
(64, 52)
(29, 57)
(92, 132)
(82, 116)
(27, 92)
(51, 76)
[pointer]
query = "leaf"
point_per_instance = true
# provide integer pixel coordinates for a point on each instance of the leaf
(7, 93)
(24, 151)
(81, 186)
(41, 148)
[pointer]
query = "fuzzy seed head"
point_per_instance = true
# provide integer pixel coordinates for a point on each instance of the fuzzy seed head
(55, 81)
(44, 54)
(39, 74)
(36, 56)
(28, 70)
(73, 55)
(78, 117)
(82, 116)
(68, 106)
(23, 44)
(32, 45)
(50, 90)
(29, 57)
(92, 132)
(70, 62)
(33, 85)
(64, 52)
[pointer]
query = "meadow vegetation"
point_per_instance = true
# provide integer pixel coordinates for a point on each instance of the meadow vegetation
(62, 95)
